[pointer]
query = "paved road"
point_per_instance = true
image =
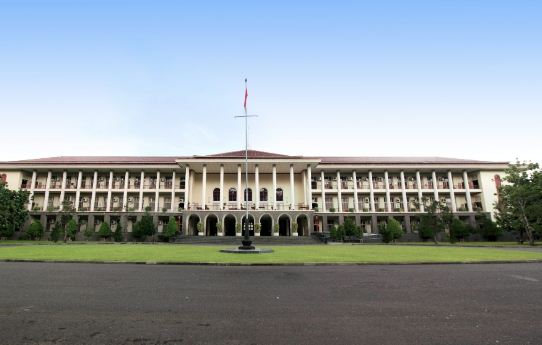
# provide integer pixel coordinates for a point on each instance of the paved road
(136, 304)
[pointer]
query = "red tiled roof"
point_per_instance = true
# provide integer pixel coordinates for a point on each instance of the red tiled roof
(251, 154)
(400, 160)
(241, 154)
(99, 160)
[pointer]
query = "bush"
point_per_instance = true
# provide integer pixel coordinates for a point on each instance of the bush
(336, 233)
(118, 236)
(458, 230)
(55, 233)
(488, 229)
(88, 233)
(35, 230)
(71, 229)
(171, 229)
(137, 231)
(391, 231)
(105, 230)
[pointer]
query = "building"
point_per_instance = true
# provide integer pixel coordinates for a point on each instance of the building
(288, 195)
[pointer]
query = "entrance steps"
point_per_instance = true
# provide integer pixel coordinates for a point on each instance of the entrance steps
(258, 241)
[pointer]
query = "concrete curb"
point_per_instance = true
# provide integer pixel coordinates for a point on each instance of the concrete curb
(277, 264)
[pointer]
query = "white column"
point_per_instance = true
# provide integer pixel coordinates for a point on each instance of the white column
(141, 191)
(354, 177)
(240, 193)
(292, 188)
(305, 187)
(186, 187)
(452, 193)
(109, 187)
(274, 191)
(93, 195)
(339, 194)
(222, 188)
(420, 195)
(78, 190)
(371, 192)
(172, 206)
(435, 185)
(309, 189)
(403, 191)
(323, 192)
(32, 186)
(387, 182)
(256, 194)
(47, 187)
(63, 189)
(203, 186)
(467, 190)
(125, 192)
(157, 192)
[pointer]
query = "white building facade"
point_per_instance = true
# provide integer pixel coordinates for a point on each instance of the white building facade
(287, 195)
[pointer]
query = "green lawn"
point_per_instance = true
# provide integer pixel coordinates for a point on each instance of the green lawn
(166, 253)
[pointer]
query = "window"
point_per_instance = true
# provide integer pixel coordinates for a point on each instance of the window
(232, 194)
(249, 193)
(216, 194)
(280, 194)
(263, 194)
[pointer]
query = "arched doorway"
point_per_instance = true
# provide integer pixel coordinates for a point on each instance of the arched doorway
(266, 223)
(302, 225)
(284, 225)
(229, 225)
(210, 225)
(193, 221)
(250, 225)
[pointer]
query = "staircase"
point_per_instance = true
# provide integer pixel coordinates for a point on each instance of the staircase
(258, 241)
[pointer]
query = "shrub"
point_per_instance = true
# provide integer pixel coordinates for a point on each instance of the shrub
(105, 230)
(88, 233)
(171, 229)
(71, 229)
(118, 235)
(391, 231)
(55, 233)
(336, 233)
(137, 231)
(459, 230)
(276, 228)
(488, 229)
(35, 230)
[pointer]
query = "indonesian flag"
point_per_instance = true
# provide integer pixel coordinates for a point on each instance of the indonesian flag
(246, 95)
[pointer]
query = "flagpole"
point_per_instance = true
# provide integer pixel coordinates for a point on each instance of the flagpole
(247, 243)
(247, 234)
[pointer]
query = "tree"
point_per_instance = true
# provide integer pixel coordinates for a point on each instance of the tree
(458, 230)
(488, 228)
(391, 231)
(520, 200)
(437, 218)
(118, 235)
(71, 229)
(13, 211)
(56, 233)
(349, 228)
(104, 231)
(145, 227)
(336, 233)
(89, 232)
(171, 228)
(35, 230)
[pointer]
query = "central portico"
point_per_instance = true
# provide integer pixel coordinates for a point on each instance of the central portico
(279, 192)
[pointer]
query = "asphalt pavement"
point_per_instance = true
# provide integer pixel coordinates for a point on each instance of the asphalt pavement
(43, 303)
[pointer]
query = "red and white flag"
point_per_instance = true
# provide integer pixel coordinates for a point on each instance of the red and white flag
(246, 95)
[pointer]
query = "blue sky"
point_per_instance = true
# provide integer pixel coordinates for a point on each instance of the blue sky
(392, 78)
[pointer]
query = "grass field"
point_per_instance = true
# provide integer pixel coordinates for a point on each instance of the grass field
(166, 253)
